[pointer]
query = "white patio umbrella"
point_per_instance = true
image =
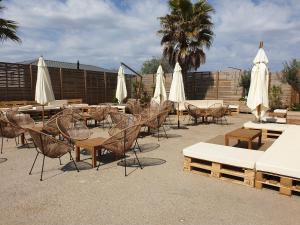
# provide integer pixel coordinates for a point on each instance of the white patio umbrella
(160, 93)
(177, 93)
(258, 100)
(121, 92)
(43, 89)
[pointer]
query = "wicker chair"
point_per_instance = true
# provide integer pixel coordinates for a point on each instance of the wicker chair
(99, 114)
(121, 142)
(166, 105)
(72, 129)
(156, 121)
(212, 110)
(48, 146)
(134, 106)
(50, 126)
(195, 112)
(9, 130)
(126, 120)
(219, 114)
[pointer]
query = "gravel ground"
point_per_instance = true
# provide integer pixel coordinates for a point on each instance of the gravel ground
(161, 193)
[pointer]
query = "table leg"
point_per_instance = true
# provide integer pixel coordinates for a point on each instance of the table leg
(77, 152)
(94, 161)
(226, 141)
(259, 139)
(23, 138)
(249, 144)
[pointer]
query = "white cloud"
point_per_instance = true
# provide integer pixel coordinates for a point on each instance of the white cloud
(100, 33)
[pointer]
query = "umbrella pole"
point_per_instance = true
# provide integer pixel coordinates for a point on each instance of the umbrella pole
(43, 115)
(178, 115)
(259, 113)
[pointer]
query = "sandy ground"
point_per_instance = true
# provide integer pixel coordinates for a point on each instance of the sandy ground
(157, 195)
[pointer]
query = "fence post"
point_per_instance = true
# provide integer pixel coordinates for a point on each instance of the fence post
(31, 82)
(85, 86)
(105, 88)
(61, 83)
(6, 75)
(217, 84)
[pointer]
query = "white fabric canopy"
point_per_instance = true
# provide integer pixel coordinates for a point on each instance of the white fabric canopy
(177, 93)
(160, 93)
(258, 100)
(121, 92)
(43, 90)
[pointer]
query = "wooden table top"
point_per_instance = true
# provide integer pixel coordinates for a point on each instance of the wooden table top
(244, 133)
(90, 143)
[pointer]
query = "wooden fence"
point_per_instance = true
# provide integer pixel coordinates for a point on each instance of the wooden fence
(17, 82)
(218, 85)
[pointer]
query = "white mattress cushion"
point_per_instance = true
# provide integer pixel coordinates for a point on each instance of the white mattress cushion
(233, 156)
(280, 111)
(266, 126)
(283, 157)
(270, 119)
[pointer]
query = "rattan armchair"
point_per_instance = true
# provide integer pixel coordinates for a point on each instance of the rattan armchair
(9, 130)
(212, 110)
(134, 106)
(195, 112)
(99, 114)
(219, 114)
(72, 129)
(49, 147)
(122, 142)
(156, 121)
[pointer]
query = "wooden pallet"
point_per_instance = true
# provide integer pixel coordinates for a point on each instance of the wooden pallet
(268, 134)
(221, 171)
(285, 185)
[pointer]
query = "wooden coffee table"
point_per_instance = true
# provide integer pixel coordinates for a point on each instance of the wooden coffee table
(93, 145)
(242, 134)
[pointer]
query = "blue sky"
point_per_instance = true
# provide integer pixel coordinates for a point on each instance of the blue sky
(106, 32)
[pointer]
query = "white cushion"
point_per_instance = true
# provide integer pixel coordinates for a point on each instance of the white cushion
(283, 157)
(266, 126)
(233, 106)
(25, 107)
(280, 111)
(199, 103)
(59, 103)
(239, 157)
(271, 119)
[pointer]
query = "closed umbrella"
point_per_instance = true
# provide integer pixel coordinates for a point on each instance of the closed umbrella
(121, 92)
(258, 100)
(43, 89)
(160, 93)
(177, 93)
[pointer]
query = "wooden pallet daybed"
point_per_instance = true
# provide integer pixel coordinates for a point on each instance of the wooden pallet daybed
(278, 167)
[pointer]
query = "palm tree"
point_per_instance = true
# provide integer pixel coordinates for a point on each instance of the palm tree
(186, 31)
(8, 29)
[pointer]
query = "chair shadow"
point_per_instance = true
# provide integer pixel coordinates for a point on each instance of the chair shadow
(2, 160)
(26, 145)
(163, 136)
(144, 161)
(149, 147)
(81, 166)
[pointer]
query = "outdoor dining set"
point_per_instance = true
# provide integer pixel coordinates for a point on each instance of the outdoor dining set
(69, 129)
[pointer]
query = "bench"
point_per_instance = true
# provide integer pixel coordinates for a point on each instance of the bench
(224, 162)
(279, 166)
(269, 130)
